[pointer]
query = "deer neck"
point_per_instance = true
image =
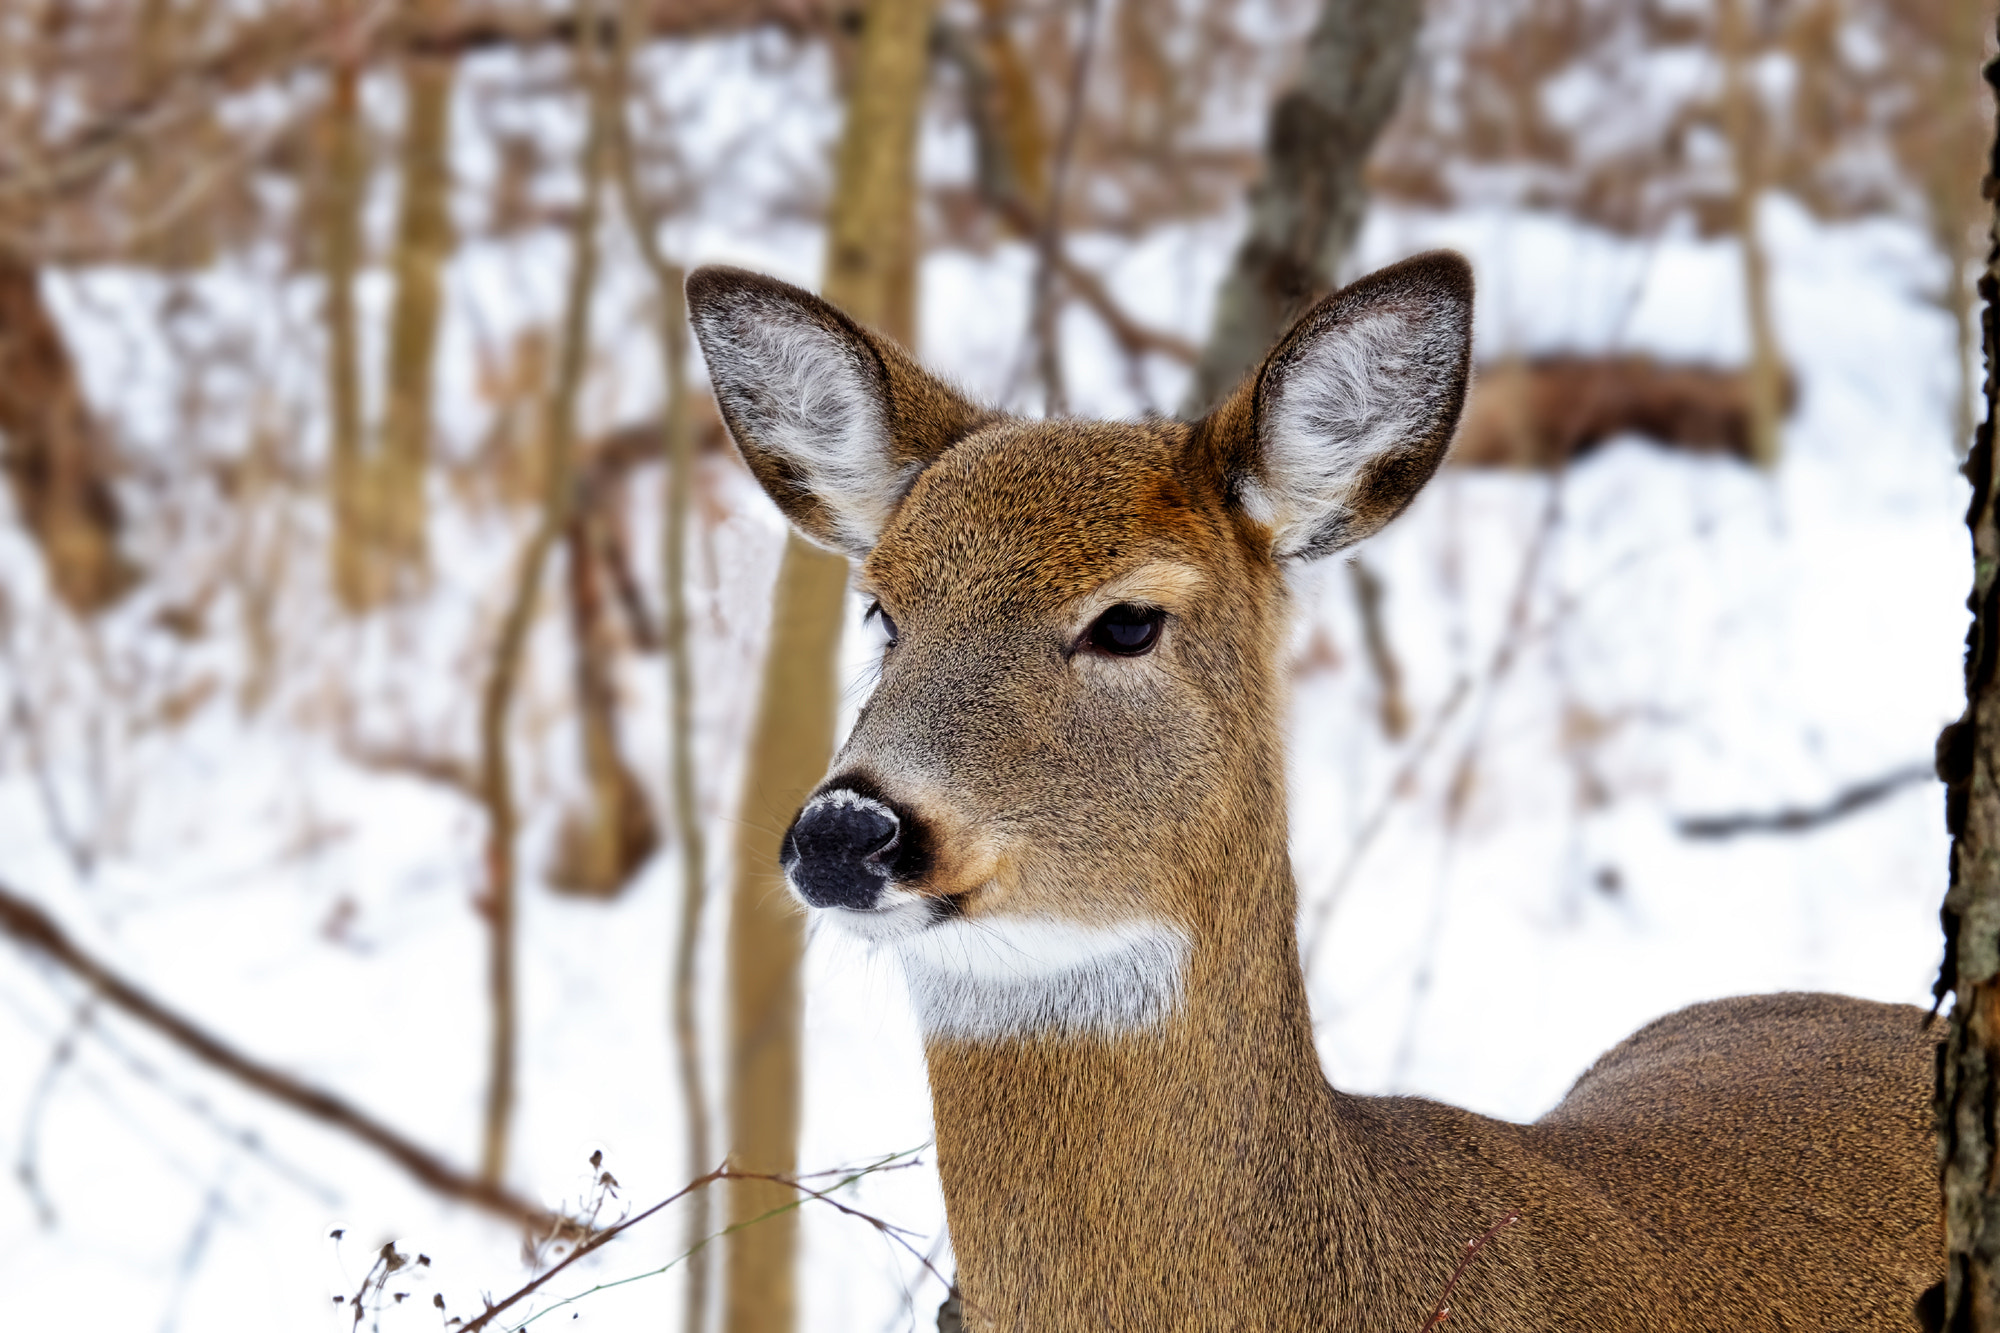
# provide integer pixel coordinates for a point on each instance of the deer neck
(1111, 1174)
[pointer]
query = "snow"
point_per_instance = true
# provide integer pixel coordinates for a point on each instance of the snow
(1697, 639)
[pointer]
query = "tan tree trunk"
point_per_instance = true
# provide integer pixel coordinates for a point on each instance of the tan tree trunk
(423, 243)
(1744, 127)
(340, 256)
(871, 271)
(1968, 761)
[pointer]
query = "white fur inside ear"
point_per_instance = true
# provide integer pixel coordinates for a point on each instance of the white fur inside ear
(810, 397)
(986, 979)
(1360, 388)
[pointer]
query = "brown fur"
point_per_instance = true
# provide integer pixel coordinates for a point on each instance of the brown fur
(1756, 1164)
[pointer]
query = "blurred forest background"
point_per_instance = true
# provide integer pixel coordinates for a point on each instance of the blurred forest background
(403, 685)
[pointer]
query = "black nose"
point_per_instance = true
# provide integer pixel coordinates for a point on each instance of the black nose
(839, 849)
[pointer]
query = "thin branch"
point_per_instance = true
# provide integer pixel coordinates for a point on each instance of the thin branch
(496, 774)
(1394, 713)
(1046, 309)
(1442, 1310)
(30, 927)
(676, 440)
(1371, 828)
(26, 1161)
(1804, 818)
(695, 1187)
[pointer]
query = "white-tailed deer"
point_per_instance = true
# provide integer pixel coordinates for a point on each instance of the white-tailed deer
(1064, 810)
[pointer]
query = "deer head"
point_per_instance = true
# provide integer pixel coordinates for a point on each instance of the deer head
(1068, 784)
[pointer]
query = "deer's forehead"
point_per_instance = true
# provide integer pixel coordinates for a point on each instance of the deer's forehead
(1032, 515)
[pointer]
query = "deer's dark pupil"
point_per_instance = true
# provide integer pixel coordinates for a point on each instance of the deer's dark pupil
(1127, 630)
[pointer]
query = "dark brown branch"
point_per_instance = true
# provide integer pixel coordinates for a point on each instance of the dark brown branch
(1804, 818)
(1442, 1310)
(30, 927)
(600, 1239)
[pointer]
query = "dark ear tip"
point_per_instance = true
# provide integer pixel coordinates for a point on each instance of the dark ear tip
(1444, 272)
(713, 283)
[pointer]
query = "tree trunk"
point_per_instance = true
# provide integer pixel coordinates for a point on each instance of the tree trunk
(1968, 1089)
(1746, 143)
(423, 243)
(340, 256)
(55, 456)
(1306, 211)
(871, 271)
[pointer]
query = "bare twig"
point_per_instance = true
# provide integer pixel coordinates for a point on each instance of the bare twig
(695, 1188)
(999, 189)
(27, 1169)
(1371, 828)
(496, 774)
(1046, 309)
(1394, 713)
(29, 926)
(1442, 1310)
(1803, 819)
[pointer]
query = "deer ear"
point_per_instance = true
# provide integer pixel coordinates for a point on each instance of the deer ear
(834, 421)
(1354, 409)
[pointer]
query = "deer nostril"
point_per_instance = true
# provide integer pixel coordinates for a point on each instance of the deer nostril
(838, 850)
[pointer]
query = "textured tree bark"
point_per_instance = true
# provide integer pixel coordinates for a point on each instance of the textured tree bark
(871, 268)
(53, 452)
(1968, 760)
(423, 243)
(1305, 212)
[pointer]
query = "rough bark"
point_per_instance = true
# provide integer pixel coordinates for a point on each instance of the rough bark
(1306, 211)
(871, 272)
(52, 448)
(423, 243)
(1968, 761)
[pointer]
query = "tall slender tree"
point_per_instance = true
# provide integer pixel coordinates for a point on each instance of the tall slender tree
(423, 243)
(1968, 760)
(871, 271)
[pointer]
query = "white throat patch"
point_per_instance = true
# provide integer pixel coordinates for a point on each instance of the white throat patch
(993, 978)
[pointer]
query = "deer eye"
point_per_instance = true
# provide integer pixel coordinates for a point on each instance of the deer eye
(1127, 630)
(875, 612)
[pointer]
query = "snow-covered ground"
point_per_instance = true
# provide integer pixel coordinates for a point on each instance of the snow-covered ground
(1488, 902)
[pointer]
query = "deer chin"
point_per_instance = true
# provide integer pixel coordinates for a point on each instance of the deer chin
(991, 978)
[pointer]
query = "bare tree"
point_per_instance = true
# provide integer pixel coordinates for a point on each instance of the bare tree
(1306, 210)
